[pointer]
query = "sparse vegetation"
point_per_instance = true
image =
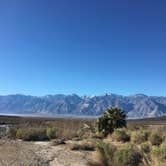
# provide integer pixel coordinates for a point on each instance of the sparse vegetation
(128, 155)
(138, 144)
(32, 134)
(105, 153)
(145, 147)
(155, 139)
(159, 152)
(52, 132)
(85, 145)
(139, 136)
(121, 135)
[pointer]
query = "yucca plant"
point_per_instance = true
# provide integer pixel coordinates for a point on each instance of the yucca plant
(113, 117)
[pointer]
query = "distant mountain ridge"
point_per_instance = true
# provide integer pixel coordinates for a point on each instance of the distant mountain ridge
(136, 106)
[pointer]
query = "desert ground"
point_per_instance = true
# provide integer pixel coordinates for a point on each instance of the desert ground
(18, 153)
(62, 150)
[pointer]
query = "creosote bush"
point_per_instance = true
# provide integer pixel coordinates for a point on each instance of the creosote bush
(159, 152)
(155, 139)
(128, 155)
(121, 135)
(105, 153)
(112, 118)
(31, 134)
(52, 132)
(139, 136)
(145, 147)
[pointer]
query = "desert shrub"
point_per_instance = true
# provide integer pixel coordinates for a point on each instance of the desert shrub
(105, 153)
(32, 134)
(155, 139)
(79, 133)
(85, 132)
(51, 132)
(145, 147)
(12, 133)
(67, 134)
(121, 135)
(112, 118)
(20, 133)
(164, 138)
(127, 155)
(160, 153)
(163, 143)
(73, 134)
(139, 136)
(88, 146)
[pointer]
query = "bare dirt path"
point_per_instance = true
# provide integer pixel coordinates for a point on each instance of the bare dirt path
(65, 157)
(18, 153)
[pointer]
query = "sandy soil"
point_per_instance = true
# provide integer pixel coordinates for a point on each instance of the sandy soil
(19, 153)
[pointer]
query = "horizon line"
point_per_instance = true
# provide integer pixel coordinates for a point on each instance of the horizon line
(82, 95)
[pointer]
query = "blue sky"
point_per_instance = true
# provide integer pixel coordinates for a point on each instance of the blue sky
(82, 46)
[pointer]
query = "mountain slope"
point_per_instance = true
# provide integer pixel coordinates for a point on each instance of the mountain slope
(136, 106)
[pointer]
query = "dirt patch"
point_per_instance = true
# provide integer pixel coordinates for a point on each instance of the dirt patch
(65, 157)
(19, 153)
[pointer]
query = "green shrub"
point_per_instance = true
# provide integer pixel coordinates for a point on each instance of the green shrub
(121, 135)
(51, 132)
(112, 118)
(160, 152)
(106, 152)
(20, 133)
(155, 139)
(79, 133)
(128, 155)
(164, 138)
(163, 143)
(145, 147)
(32, 134)
(139, 137)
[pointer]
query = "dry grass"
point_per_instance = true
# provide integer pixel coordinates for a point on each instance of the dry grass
(66, 128)
(85, 145)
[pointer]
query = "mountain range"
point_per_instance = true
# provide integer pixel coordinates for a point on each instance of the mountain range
(136, 106)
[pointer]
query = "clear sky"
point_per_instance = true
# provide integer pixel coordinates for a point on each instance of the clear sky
(83, 47)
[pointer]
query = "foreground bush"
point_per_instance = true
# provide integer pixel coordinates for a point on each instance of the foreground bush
(113, 118)
(160, 153)
(128, 155)
(32, 134)
(145, 147)
(155, 139)
(139, 136)
(105, 153)
(121, 135)
(52, 132)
